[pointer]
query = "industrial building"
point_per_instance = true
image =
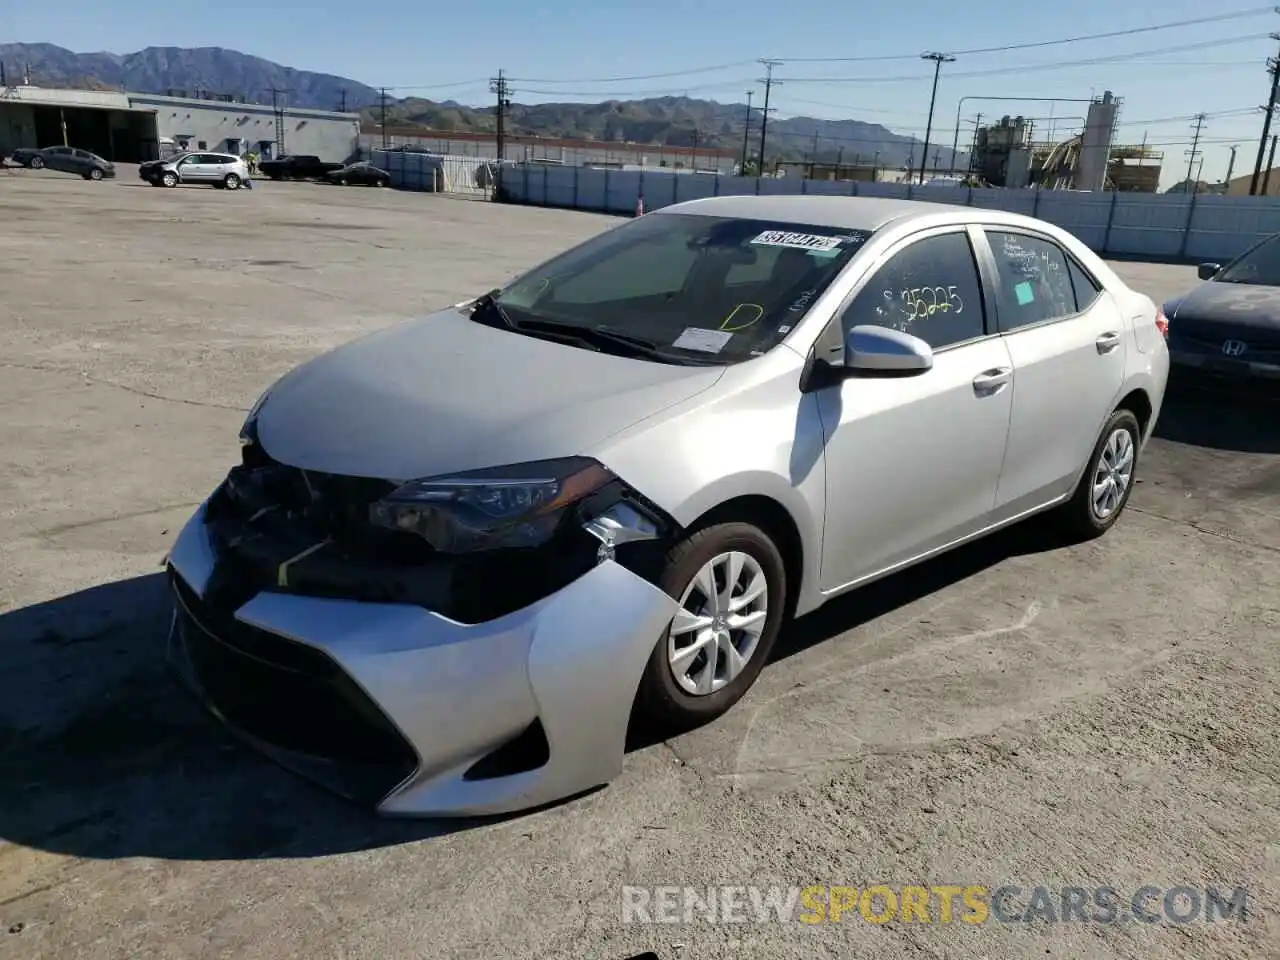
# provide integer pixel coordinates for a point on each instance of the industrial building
(134, 127)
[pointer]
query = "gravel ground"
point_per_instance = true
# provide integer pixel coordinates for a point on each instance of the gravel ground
(1016, 713)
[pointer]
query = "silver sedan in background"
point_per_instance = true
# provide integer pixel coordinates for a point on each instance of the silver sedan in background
(461, 555)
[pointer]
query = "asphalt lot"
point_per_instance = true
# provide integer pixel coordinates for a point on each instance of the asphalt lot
(1021, 713)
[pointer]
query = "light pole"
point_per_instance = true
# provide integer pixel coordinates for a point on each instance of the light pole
(938, 60)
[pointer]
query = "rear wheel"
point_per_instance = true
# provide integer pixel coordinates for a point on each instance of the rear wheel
(730, 582)
(232, 182)
(36, 163)
(1107, 482)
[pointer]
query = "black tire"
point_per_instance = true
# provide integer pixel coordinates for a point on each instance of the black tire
(342, 181)
(660, 701)
(170, 179)
(1077, 516)
(36, 163)
(232, 181)
(94, 174)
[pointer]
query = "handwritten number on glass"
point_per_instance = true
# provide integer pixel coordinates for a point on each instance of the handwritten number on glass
(921, 302)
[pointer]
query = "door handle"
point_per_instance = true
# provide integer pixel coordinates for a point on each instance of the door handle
(1108, 342)
(991, 381)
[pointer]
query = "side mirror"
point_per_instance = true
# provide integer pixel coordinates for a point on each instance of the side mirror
(1207, 271)
(872, 351)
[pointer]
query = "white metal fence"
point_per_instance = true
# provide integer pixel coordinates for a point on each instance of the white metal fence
(1157, 226)
(437, 173)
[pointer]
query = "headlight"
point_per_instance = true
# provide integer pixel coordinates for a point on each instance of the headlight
(493, 509)
(249, 430)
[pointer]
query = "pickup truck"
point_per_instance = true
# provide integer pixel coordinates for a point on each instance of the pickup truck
(297, 167)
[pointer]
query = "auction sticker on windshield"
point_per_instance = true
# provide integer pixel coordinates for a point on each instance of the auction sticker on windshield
(704, 341)
(798, 241)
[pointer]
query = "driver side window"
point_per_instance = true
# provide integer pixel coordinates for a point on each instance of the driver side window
(930, 290)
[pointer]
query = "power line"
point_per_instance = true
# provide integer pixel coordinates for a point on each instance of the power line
(1051, 65)
(975, 51)
(1037, 44)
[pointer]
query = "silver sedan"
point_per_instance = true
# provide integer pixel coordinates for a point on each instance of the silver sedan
(461, 555)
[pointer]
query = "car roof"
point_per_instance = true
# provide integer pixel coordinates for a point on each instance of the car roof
(845, 213)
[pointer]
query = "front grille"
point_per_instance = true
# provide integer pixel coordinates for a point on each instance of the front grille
(291, 697)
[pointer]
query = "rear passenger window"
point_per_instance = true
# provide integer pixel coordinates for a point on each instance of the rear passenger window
(929, 290)
(1033, 280)
(1087, 288)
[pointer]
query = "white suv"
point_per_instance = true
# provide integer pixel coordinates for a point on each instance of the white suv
(217, 169)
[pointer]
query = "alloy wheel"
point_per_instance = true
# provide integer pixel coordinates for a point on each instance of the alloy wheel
(1112, 474)
(718, 627)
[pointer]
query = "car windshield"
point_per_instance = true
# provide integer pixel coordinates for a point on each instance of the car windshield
(1260, 266)
(693, 288)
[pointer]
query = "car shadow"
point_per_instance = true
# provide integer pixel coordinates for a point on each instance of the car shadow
(875, 600)
(1221, 416)
(104, 753)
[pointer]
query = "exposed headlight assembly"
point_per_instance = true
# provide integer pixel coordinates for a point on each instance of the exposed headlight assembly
(249, 430)
(493, 509)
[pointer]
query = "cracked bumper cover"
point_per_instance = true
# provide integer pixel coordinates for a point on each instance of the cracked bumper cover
(448, 693)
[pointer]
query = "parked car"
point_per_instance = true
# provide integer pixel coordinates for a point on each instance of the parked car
(359, 174)
(297, 167)
(214, 169)
(24, 155)
(1228, 327)
(443, 587)
(73, 160)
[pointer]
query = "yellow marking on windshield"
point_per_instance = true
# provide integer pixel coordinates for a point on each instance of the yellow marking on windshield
(728, 324)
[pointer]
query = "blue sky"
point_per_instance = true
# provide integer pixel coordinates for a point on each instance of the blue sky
(573, 51)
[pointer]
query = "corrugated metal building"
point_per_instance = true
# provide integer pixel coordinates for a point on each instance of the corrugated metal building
(133, 127)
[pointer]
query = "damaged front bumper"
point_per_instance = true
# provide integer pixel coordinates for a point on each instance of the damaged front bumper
(410, 711)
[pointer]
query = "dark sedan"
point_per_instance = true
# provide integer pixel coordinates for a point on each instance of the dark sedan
(23, 156)
(1230, 325)
(73, 160)
(359, 175)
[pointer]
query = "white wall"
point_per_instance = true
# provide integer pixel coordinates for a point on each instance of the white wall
(1177, 226)
(331, 136)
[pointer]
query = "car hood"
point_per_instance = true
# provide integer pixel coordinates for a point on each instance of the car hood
(443, 394)
(1241, 306)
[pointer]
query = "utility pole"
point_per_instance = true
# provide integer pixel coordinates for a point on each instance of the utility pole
(499, 86)
(768, 82)
(1273, 68)
(973, 151)
(937, 156)
(382, 100)
(840, 160)
(343, 106)
(277, 107)
(1231, 164)
(938, 60)
(813, 156)
(746, 135)
(1271, 162)
(1194, 152)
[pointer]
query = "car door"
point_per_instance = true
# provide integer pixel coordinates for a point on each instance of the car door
(1065, 335)
(913, 463)
(59, 158)
(195, 168)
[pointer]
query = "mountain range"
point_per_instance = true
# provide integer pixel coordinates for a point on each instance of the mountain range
(672, 121)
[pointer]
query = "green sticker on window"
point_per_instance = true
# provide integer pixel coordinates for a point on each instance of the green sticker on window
(1024, 293)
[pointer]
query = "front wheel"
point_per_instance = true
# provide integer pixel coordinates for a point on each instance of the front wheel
(1107, 482)
(95, 174)
(730, 582)
(169, 180)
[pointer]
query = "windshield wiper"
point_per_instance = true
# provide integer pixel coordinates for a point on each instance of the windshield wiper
(488, 305)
